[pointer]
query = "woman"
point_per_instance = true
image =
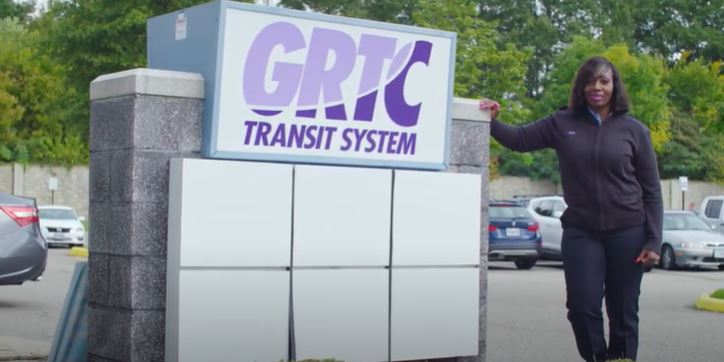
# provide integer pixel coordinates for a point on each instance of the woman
(612, 227)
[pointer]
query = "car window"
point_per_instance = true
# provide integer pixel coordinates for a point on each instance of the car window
(559, 206)
(684, 222)
(508, 212)
(545, 208)
(56, 214)
(713, 209)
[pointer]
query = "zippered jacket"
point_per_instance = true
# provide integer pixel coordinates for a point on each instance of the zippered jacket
(608, 172)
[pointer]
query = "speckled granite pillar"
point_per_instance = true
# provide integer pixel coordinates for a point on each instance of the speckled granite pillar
(139, 120)
(469, 153)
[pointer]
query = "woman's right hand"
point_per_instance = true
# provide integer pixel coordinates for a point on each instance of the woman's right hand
(491, 105)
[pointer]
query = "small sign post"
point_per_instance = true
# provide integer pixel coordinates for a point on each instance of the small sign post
(684, 184)
(52, 186)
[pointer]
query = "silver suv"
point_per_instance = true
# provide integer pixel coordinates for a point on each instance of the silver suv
(547, 210)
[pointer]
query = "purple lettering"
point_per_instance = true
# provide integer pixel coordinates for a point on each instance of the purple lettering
(309, 133)
(407, 143)
(399, 111)
(296, 135)
(347, 141)
(261, 133)
(279, 135)
(249, 128)
(317, 79)
(286, 75)
(330, 134)
(375, 49)
(371, 141)
(392, 143)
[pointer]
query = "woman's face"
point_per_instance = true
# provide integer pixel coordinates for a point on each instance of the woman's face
(599, 89)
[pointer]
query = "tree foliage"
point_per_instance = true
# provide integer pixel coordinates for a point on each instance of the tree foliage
(35, 124)
(522, 52)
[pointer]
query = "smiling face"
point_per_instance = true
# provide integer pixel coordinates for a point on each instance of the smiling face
(599, 90)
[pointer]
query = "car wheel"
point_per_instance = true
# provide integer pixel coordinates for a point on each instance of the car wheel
(668, 260)
(525, 264)
(721, 266)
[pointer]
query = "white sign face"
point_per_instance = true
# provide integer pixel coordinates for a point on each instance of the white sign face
(684, 183)
(53, 183)
(300, 89)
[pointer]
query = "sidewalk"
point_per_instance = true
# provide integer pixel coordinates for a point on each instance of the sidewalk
(19, 349)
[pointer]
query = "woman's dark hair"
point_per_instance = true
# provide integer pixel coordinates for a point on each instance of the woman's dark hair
(591, 68)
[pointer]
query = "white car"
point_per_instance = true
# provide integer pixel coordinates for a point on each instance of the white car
(60, 225)
(547, 210)
(712, 211)
(690, 242)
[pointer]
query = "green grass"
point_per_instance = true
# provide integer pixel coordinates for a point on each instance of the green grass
(718, 294)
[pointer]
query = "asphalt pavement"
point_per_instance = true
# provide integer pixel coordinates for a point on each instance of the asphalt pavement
(29, 312)
(527, 316)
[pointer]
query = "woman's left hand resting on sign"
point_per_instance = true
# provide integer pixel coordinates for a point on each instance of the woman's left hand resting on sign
(491, 105)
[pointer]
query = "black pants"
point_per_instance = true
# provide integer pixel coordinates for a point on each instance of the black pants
(598, 264)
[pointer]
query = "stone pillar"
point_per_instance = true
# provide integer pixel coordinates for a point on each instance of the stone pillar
(469, 153)
(139, 120)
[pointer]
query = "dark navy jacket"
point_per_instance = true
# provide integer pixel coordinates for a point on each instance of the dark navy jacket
(608, 172)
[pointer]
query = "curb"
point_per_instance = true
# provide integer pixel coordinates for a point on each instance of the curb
(706, 302)
(78, 251)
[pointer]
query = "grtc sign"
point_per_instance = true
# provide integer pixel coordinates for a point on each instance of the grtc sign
(295, 86)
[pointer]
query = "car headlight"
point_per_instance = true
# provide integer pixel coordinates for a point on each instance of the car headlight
(691, 245)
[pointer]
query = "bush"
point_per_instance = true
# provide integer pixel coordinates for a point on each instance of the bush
(718, 294)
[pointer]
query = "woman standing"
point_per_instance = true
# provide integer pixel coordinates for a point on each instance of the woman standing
(612, 227)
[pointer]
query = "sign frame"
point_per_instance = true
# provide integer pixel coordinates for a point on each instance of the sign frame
(204, 53)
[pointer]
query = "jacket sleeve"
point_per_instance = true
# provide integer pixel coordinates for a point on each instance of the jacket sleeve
(647, 174)
(531, 137)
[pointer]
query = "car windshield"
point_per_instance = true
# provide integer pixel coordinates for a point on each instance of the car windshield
(56, 214)
(684, 222)
(508, 211)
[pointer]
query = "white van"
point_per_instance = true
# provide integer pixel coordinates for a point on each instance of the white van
(712, 211)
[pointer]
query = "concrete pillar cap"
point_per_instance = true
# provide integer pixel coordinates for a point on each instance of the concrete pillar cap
(465, 109)
(154, 82)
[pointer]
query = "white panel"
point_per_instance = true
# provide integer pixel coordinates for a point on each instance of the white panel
(341, 216)
(235, 213)
(341, 314)
(436, 219)
(233, 315)
(434, 313)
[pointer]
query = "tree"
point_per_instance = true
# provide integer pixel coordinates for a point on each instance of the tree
(393, 11)
(95, 37)
(670, 27)
(35, 123)
(17, 10)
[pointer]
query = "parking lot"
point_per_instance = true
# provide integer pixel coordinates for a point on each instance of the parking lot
(526, 314)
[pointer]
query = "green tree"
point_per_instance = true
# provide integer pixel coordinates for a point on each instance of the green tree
(696, 148)
(393, 11)
(36, 125)
(17, 10)
(95, 37)
(670, 27)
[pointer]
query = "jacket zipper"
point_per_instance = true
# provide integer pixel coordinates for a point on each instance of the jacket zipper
(599, 127)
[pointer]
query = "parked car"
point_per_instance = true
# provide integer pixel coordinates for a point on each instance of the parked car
(712, 211)
(513, 234)
(60, 225)
(23, 252)
(547, 211)
(689, 242)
